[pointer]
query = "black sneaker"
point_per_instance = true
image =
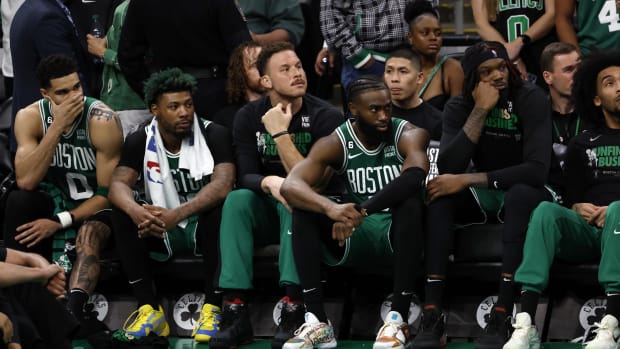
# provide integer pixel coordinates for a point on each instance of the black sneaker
(431, 334)
(291, 318)
(497, 332)
(235, 328)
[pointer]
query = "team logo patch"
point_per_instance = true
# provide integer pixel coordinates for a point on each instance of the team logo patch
(97, 305)
(483, 312)
(592, 311)
(153, 172)
(277, 310)
(187, 310)
(414, 309)
(81, 134)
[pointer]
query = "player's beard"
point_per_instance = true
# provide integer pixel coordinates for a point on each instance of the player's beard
(371, 132)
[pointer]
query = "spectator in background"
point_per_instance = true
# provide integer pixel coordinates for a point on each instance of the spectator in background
(8, 8)
(116, 92)
(403, 77)
(559, 62)
(198, 38)
(362, 32)
(425, 38)
(243, 84)
(598, 24)
(42, 28)
(271, 21)
(523, 29)
(271, 135)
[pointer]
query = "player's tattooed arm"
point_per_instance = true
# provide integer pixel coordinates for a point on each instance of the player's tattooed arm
(104, 113)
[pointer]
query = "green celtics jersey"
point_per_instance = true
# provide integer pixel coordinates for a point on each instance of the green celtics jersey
(72, 170)
(186, 186)
(598, 24)
(365, 171)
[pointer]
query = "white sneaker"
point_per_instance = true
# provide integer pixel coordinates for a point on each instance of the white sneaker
(525, 335)
(607, 334)
(393, 334)
(312, 334)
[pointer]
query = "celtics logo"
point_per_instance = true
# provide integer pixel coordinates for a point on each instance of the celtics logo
(483, 312)
(414, 309)
(592, 311)
(187, 310)
(97, 306)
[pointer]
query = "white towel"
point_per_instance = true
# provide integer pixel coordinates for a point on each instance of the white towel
(195, 156)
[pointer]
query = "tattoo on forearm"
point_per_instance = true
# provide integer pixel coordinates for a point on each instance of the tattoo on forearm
(474, 124)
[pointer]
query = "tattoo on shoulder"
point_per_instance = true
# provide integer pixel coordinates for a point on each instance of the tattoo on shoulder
(99, 114)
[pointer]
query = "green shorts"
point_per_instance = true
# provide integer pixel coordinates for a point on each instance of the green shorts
(369, 245)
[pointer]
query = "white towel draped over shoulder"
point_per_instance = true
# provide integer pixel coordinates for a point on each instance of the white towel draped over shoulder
(195, 156)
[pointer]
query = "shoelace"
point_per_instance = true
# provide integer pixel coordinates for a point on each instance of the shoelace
(390, 329)
(140, 315)
(210, 318)
(305, 328)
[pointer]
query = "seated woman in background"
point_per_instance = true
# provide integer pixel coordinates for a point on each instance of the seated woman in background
(443, 76)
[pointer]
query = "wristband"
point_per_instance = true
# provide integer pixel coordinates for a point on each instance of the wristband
(65, 219)
(525, 39)
(281, 133)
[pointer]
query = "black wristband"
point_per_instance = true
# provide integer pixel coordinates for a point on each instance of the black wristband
(55, 218)
(281, 133)
(525, 39)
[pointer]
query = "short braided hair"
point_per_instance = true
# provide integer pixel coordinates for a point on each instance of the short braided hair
(364, 84)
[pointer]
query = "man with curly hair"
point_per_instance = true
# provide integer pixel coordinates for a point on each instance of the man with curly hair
(185, 168)
(587, 227)
(242, 84)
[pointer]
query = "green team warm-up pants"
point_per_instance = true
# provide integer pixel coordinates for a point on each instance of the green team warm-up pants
(556, 231)
(251, 219)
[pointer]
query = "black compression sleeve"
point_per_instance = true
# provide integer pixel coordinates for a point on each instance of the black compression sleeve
(403, 187)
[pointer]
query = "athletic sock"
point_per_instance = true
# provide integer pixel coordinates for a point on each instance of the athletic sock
(77, 299)
(401, 301)
(434, 289)
(613, 304)
(506, 296)
(294, 293)
(314, 303)
(529, 302)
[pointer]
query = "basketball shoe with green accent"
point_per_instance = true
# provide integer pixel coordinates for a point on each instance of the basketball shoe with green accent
(147, 320)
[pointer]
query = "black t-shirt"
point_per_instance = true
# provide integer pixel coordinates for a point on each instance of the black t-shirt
(593, 167)
(424, 116)
(515, 143)
(565, 127)
(257, 153)
(217, 138)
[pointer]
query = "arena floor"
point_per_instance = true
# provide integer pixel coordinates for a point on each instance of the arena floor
(186, 343)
